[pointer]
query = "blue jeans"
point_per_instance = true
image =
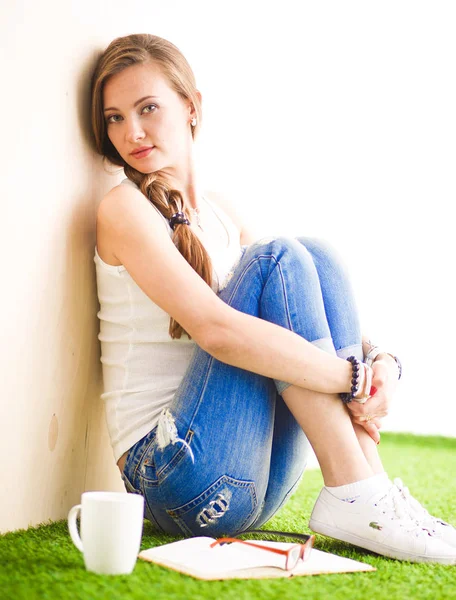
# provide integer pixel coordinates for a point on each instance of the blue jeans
(228, 453)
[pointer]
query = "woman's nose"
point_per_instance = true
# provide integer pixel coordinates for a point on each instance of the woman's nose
(134, 131)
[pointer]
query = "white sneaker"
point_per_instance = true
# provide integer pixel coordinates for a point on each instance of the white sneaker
(384, 524)
(438, 527)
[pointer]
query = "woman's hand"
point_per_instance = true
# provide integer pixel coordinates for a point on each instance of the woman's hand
(369, 414)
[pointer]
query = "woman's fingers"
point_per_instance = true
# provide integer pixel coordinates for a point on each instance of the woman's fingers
(372, 424)
(372, 430)
(368, 419)
(377, 422)
(376, 405)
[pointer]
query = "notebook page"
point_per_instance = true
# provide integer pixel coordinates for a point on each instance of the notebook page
(196, 554)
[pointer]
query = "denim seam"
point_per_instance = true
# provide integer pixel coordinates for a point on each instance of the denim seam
(277, 265)
(185, 530)
(140, 460)
(130, 487)
(155, 521)
(284, 291)
(238, 283)
(208, 370)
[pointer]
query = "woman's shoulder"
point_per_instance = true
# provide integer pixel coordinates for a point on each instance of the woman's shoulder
(123, 201)
(127, 194)
(125, 188)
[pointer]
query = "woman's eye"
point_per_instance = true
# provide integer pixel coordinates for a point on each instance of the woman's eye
(113, 119)
(149, 108)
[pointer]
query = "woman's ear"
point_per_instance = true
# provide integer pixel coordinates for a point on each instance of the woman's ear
(192, 106)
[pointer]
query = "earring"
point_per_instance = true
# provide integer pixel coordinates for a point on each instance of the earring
(193, 122)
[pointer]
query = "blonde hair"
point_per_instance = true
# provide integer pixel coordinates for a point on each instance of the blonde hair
(122, 53)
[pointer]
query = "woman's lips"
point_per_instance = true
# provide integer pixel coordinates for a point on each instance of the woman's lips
(142, 153)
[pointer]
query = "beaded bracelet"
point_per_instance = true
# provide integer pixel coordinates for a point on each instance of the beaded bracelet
(347, 397)
(367, 384)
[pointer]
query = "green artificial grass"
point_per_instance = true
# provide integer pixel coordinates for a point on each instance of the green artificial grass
(42, 562)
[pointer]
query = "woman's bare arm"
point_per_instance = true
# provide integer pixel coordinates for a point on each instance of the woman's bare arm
(141, 243)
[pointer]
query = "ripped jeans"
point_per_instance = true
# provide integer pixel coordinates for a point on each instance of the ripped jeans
(227, 453)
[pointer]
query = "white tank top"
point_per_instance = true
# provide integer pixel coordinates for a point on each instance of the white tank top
(142, 365)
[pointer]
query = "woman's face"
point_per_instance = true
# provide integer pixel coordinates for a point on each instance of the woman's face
(142, 111)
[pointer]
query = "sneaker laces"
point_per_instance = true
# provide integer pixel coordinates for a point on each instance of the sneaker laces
(400, 509)
(418, 509)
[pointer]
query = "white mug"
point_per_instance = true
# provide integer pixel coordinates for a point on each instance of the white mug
(111, 531)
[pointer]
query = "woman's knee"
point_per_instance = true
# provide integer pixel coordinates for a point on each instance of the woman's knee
(322, 251)
(280, 247)
(271, 243)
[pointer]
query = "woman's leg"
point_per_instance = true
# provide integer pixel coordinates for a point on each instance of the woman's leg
(342, 314)
(342, 317)
(204, 469)
(223, 416)
(369, 448)
(372, 512)
(329, 429)
(289, 455)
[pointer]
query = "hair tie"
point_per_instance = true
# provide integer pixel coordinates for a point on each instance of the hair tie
(178, 219)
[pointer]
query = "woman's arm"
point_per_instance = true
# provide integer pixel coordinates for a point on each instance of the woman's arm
(141, 243)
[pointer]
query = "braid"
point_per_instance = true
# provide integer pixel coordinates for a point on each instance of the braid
(168, 202)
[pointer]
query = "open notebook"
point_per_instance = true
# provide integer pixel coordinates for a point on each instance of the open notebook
(195, 557)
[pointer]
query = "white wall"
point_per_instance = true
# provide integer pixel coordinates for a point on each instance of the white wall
(335, 119)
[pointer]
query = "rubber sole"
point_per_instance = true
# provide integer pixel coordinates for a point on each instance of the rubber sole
(345, 536)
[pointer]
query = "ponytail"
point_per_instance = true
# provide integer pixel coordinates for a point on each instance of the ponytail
(169, 202)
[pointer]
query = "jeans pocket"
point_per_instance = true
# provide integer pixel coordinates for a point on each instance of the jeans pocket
(157, 464)
(227, 506)
(128, 485)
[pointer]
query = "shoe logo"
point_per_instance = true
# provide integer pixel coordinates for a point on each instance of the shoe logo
(375, 525)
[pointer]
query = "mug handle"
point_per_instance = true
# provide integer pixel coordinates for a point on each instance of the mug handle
(72, 516)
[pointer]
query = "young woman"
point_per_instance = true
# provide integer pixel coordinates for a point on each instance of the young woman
(224, 355)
